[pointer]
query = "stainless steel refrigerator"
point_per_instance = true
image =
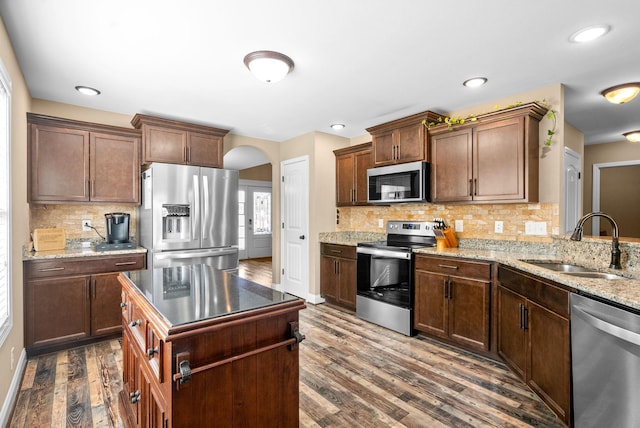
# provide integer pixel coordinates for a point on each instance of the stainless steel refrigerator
(189, 214)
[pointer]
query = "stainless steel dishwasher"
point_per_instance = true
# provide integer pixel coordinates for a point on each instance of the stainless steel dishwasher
(605, 347)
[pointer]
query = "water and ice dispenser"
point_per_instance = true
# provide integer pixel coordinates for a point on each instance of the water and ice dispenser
(176, 222)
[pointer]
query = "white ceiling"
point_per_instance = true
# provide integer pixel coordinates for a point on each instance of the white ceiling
(358, 62)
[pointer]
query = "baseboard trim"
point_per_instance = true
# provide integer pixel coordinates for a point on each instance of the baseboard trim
(278, 287)
(315, 299)
(14, 389)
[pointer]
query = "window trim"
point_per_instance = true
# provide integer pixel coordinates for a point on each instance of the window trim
(5, 84)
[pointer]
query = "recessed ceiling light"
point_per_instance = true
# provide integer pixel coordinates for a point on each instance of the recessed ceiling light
(621, 94)
(474, 82)
(589, 33)
(633, 136)
(268, 66)
(338, 126)
(86, 90)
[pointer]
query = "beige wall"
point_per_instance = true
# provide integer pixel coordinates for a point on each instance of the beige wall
(620, 151)
(21, 104)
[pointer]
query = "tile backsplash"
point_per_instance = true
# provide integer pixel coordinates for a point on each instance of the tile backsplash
(478, 221)
(70, 218)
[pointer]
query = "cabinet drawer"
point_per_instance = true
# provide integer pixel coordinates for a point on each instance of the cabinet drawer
(545, 294)
(455, 267)
(154, 352)
(83, 265)
(334, 250)
(137, 325)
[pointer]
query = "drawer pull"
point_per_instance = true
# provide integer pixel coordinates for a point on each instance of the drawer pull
(134, 397)
(135, 323)
(125, 263)
(123, 305)
(336, 251)
(51, 269)
(449, 267)
(152, 351)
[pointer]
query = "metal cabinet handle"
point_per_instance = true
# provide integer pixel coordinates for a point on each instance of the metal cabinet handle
(51, 269)
(449, 267)
(125, 263)
(446, 288)
(152, 351)
(123, 305)
(475, 187)
(135, 323)
(301, 237)
(134, 397)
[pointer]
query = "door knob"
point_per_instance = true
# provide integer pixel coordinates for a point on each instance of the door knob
(301, 236)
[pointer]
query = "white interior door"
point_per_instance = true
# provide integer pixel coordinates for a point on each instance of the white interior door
(295, 226)
(254, 210)
(572, 189)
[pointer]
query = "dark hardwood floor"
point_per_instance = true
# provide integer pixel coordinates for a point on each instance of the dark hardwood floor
(352, 374)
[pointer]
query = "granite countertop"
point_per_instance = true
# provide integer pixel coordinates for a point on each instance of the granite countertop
(69, 252)
(625, 291)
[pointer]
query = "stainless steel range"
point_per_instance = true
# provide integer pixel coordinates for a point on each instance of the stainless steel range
(385, 292)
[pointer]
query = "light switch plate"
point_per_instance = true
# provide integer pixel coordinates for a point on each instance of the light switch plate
(459, 226)
(498, 227)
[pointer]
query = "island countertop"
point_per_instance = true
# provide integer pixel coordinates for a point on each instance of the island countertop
(188, 294)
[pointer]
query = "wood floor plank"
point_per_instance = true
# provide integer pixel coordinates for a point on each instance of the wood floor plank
(59, 410)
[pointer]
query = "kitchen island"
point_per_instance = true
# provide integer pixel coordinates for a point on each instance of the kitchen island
(204, 347)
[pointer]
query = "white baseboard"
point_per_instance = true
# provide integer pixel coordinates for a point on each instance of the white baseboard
(315, 299)
(14, 389)
(278, 287)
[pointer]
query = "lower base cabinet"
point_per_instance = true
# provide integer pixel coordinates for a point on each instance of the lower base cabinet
(534, 336)
(70, 301)
(452, 300)
(338, 275)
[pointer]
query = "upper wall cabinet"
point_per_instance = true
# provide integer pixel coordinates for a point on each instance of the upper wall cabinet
(72, 161)
(351, 174)
(492, 159)
(171, 141)
(403, 140)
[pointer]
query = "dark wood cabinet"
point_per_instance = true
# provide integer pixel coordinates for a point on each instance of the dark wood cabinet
(491, 159)
(534, 336)
(351, 174)
(71, 161)
(452, 300)
(70, 301)
(240, 373)
(338, 275)
(172, 141)
(403, 140)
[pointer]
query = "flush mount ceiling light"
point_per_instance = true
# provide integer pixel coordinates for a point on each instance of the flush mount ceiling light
(337, 126)
(268, 66)
(86, 90)
(589, 33)
(633, 136)
(621, 94)
(474, 82)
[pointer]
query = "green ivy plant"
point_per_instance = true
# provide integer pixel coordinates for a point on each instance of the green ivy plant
(458, 120)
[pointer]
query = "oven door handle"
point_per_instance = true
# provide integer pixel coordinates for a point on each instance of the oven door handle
(384, 253)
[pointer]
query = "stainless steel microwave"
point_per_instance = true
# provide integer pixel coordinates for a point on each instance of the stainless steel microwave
(406, 182)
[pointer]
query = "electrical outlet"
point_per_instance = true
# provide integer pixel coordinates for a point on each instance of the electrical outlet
(498, 227)
(459, 226)
(86, 225)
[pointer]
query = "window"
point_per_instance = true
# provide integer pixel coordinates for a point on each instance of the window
(262, 212)
(5, 196)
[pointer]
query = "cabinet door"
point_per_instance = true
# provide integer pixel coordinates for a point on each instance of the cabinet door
(164, 145)
(57, 310)
(498, 154)
(329, 277)
(152, 406)
(451, 157)
(430, 312)
(106, 314)
(59, 164)
(411, 142)
(549, 369)
(204, 150)
(347, 287)
(344, 180)
(384, 148)
(131, 381)
(512, 342)
(469, 316)
(362, 162)
(115, 168)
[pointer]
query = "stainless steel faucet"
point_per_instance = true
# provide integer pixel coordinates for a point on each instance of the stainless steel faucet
(615, 245)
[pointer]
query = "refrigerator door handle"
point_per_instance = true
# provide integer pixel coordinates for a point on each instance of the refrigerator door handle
(196, 207)
(206, 204)
(195, 254)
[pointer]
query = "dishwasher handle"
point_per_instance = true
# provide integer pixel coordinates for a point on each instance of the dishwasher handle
(606, 327)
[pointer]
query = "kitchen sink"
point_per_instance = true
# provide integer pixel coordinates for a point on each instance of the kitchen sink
(598, 275)
(560, 267)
